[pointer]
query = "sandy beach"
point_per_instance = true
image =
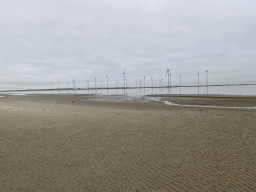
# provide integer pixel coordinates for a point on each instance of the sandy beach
(115, 143)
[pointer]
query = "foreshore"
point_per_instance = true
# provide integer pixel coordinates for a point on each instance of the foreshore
(118, 143)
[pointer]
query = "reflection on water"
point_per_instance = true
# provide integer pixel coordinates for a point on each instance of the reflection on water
(222, 90)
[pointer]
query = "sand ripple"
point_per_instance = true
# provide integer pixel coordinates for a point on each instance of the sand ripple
(99, 148)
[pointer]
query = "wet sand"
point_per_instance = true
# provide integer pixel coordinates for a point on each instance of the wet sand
(95, 143)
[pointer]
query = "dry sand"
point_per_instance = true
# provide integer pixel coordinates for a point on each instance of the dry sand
(87, 143)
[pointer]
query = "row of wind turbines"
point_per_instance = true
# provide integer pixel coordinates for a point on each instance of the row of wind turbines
(168, 75)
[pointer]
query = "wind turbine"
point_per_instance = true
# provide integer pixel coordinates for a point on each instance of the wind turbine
(74, 84)
(207, 79)
(180, 83)
(124, 78)
(140, 81)
(169, 77)
(152, 84)
(198, 81)
(107, 81)
(117, 85)
(144, 84)
(161, 83)
(58, 83)
(95, 83)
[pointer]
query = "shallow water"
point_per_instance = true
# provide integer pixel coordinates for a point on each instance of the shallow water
(201, 106)
(218, 90)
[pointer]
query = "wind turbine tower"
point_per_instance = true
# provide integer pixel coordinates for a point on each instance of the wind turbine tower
(58, 83)
(74, 83)
(167, 72)
(169, 78)
(107, 81)
(124, 78)
(117, 86)
(198, 80)
(207, 79)
(180, 83)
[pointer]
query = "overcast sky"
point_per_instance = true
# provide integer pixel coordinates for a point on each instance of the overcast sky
(45, 40)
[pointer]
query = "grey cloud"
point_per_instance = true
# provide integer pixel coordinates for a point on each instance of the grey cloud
(46, 40)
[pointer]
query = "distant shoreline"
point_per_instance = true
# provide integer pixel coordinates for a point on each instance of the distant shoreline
(105, 88)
